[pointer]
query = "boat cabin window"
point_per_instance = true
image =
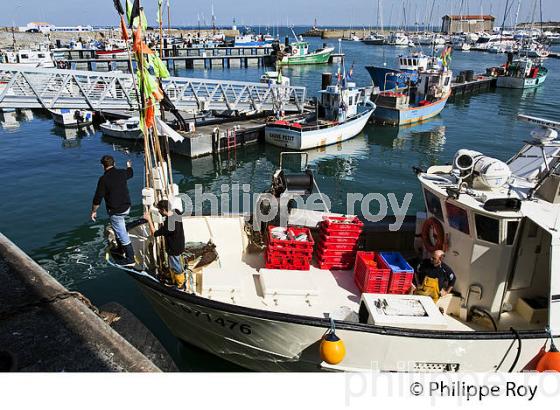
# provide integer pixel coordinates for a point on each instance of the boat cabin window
(487, 229)
(41, 55)
(433, 204)
(447, 79)
(511, 232)
(457, 218)
(24, 56)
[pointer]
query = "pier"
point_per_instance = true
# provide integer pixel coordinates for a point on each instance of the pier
(44, 327)
(175, 57)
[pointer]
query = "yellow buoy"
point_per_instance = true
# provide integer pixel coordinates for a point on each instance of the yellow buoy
(332, 348)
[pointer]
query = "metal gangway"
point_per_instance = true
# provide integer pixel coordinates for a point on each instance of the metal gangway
(51, 88)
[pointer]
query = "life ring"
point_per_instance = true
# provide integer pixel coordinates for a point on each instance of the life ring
(433, 230)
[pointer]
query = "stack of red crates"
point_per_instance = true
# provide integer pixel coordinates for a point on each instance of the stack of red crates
(289, 254)
(371, 273)
(338, 242)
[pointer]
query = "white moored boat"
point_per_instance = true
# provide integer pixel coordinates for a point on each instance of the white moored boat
(498, 220)
(128, 129)
(41, 58)
(346, 113)
(72, 118)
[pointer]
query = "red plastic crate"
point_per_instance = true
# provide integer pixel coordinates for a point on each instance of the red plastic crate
(336, 259)
(322, 253)
(287, 263)
(333, 239)
(291, 244)
(355, 234)
(342, 223)
(380, 286)
(334, 266)
(289, 252)
(368, 278)
(329, 247)
(400, 283)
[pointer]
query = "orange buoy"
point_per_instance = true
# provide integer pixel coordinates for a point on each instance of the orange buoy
(332, 348)
(550, 361)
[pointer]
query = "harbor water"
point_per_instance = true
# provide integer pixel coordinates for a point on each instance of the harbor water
(49, 174)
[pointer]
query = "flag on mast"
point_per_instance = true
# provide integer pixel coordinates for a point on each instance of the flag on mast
(158, 18)
(118, 6)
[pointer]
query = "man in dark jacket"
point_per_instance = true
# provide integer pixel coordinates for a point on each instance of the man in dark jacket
(112, 186)
(433, 277)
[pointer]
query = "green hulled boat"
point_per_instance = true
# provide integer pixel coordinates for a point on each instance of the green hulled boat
(298, 53)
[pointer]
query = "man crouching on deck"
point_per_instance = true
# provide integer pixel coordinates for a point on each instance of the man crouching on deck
(172, 230)
(112, 186)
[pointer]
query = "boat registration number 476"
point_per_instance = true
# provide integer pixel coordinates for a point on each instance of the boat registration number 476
(281, 137)
(213, 318)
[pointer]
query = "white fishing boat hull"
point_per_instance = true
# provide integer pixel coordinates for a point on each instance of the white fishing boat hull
(68, 118)
(519, 83)
(268, 341)
(114, 131)
(307, 139)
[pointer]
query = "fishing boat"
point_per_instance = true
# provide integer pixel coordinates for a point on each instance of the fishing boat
(298, 54)
(128, 129)
(252, 40)
(419, 101)
(275, 77)
(398, 39)
(112, 53)
(30, 58)
(462, 46)
(375, 39)
(498, 221)
(72, 118)
(407, 69)
(522, 72)
(343, 112)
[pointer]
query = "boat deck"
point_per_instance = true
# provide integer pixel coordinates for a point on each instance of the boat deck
(236, 277)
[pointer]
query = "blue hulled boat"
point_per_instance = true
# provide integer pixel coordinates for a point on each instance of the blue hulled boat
(417, 102)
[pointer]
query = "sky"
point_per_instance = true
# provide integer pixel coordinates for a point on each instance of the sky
(356, 13)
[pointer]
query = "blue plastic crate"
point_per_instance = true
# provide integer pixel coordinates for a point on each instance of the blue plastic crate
(396, 262)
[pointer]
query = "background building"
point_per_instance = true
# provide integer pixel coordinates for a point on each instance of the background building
(37, 26)
(467, 24)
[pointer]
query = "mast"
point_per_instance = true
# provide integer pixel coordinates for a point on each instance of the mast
(377, 21)
(168, 19)
(431, 15)
(517, 15)
(380, 16)
(213, 21)
(160, 14)
(461, 16)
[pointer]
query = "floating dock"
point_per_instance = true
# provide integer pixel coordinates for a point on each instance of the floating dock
(44, 327)
(216, 138)
(477, 84)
